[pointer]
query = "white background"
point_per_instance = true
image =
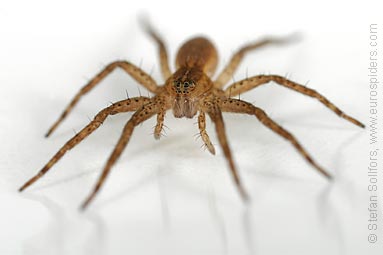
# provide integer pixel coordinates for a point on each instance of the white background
(169, 196)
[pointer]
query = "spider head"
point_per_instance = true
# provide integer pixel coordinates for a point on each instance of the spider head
(183, 88)
(184, 80)
(187, 86)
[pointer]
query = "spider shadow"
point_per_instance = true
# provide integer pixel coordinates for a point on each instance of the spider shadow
(248, 229)
(64, 180)
(247, 224)
(125, 192)
(163, 198)
(58, 229)
(53, 227)
(329, 214)
(163, 191)
(218, 220)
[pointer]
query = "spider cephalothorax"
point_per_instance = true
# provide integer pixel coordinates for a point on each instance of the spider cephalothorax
(190, 90)
(187, 86)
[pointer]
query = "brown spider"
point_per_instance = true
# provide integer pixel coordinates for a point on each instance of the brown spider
(187, 91)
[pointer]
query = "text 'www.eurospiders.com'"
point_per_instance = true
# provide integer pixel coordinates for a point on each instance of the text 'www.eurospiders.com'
(373, 167)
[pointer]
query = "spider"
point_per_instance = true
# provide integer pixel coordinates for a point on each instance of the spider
(189, 91)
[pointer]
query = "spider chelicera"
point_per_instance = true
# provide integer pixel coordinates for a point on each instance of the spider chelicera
(189, 91)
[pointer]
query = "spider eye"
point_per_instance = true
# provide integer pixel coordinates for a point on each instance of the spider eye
(177, 84)
(190, 84)
(186, 84)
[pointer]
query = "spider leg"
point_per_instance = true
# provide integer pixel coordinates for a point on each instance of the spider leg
(138, 74)
(121, 106)
(203, 133)
(216, 116)
(228, 71)
(164, 62)
(239, 106)
(140, 116)
(160, 124)
(253, 82)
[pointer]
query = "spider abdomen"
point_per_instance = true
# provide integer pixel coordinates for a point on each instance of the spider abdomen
(198, 52)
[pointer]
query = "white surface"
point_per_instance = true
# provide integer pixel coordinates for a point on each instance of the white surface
(171, 197)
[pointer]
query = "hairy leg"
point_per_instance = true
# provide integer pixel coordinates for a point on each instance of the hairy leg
(228, 71)
(139, 75)
(121, 106)
(203, 133)
(160, 124)
(140, 116)
(164, 62)
(238, 106)
(216, 116)
(253, 82)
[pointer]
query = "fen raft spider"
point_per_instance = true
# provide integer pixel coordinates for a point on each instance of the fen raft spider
(188, 91)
